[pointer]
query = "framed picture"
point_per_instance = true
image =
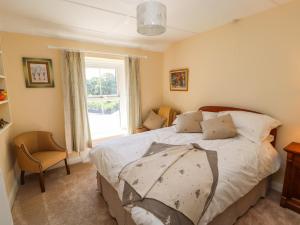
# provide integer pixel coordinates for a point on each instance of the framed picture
(179, 80)
(38, 72)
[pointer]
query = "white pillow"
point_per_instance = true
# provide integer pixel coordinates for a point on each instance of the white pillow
(209, 115)
(256, 127)
(270, 138)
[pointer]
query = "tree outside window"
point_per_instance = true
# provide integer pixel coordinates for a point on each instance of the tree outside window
(103, 96)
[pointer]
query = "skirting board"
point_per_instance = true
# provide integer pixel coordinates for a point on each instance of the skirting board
(277, 186)
(13, 193)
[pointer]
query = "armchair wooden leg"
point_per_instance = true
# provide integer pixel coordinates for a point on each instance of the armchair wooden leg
(67, 167)
(22, 177)
(42, 182)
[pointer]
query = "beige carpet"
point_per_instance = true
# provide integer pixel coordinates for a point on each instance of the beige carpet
(73, 200)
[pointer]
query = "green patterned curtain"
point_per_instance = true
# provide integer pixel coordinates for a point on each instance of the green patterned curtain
(133, 93)
(77, 130)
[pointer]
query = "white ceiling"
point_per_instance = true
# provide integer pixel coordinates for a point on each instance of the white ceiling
(113, 21)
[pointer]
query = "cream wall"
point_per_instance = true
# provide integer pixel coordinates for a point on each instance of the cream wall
(42, 108)
(254, 64)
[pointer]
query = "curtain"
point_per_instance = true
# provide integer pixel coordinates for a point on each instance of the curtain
(134, 117)
(77, 130)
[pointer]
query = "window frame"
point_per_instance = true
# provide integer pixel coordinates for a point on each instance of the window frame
(119, 66)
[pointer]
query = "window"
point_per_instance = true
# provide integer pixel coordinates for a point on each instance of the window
(105, 81)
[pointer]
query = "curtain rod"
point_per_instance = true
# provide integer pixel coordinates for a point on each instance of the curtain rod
(95, 52)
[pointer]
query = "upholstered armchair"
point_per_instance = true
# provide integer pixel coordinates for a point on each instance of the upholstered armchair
(168, 113)
(164, 111)
(36, 152)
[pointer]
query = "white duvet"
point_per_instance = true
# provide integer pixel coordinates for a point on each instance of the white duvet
(242, 164)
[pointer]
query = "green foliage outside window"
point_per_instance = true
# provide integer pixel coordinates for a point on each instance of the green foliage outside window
(103, 106)
(97, 89)
(102, 85)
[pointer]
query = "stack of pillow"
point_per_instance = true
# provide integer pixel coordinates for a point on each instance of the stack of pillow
(227, 124)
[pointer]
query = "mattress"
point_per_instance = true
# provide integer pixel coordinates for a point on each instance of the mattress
(242, 165)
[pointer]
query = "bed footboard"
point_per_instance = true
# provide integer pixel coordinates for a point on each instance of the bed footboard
(111, 197)
(228, 217)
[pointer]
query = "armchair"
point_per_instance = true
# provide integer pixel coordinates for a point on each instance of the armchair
(164, 111)
(168, 113)
(36, 152)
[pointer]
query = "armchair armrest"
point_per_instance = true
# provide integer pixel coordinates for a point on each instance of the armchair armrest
(26, 161)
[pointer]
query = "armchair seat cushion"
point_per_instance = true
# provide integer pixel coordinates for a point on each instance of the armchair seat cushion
(49, 158)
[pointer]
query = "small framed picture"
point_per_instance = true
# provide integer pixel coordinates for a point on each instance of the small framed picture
(38, 72)
(179, 80)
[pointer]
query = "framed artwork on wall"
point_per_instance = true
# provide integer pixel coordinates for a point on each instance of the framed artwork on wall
(38, 72)
(179, 80)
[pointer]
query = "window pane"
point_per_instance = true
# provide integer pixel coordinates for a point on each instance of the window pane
(93, 81)
(104, 98)
(101, 82)
(103, 105)
(108, 82)
(108, 71)
(92, 72)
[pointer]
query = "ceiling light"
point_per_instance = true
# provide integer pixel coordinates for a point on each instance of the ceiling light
(151, 18)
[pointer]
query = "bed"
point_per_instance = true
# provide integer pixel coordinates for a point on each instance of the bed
(245, 171)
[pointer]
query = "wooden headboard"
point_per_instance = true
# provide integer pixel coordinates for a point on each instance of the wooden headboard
(224, 108)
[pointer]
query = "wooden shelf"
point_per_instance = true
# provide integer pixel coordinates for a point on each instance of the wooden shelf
(2, 130)
(3, 102)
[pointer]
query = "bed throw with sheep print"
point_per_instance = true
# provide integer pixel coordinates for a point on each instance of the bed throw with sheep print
(174, 183)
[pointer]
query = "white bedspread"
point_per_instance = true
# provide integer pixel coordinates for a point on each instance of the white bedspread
(242, 164)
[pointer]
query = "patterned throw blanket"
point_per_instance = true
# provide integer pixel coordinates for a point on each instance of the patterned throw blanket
(174, 183)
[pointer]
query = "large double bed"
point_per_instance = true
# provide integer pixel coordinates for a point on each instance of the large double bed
(244, 168)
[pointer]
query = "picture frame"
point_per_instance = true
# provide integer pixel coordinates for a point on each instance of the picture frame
(38, 72)
(179, 80)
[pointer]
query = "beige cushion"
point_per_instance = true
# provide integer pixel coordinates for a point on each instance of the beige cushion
(189, 122)
(49, 158)
(154, 121)
(219, 128)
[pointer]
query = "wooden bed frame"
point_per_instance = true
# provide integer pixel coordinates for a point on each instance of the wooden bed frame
(228, 217)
